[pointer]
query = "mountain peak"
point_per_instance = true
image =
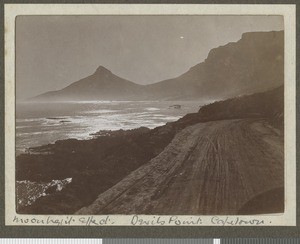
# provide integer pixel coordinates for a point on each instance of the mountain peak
(250, 65)
(102, 70)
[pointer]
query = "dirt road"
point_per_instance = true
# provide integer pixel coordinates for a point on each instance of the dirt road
(208, 168)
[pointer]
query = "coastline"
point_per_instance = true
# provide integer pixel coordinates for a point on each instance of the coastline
(100, 163)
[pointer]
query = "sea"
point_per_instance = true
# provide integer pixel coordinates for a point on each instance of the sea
(43, 123)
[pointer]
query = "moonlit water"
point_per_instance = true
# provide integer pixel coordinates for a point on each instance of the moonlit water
(43, 123)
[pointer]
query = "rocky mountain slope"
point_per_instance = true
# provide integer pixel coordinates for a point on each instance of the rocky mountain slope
(253, 64)
(102, 85)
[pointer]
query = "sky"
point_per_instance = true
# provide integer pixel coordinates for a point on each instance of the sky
(55, 51)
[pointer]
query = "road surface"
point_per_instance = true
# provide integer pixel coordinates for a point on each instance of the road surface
(208, 168)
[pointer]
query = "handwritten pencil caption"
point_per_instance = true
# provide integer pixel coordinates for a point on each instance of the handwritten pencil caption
(138, 220)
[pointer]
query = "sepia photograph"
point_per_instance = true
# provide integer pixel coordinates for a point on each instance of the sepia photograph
(150, 115)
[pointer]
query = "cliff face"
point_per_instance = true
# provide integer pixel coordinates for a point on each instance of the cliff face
(253, 64)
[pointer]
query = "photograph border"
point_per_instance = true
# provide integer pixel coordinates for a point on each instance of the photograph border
(201, 232)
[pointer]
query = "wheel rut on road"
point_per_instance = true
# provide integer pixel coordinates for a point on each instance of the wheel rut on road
(208, 168)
